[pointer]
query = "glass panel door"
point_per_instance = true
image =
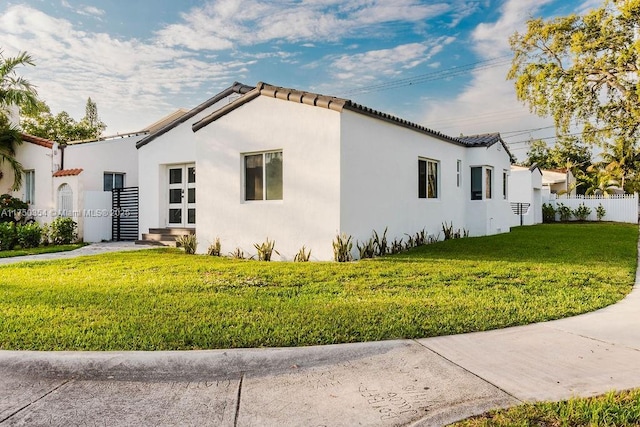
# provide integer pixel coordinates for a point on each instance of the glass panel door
(182, 195)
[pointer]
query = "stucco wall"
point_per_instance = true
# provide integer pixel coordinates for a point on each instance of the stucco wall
(308, 214)
(380, 180)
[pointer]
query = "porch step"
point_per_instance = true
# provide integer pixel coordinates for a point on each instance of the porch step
(164, 236)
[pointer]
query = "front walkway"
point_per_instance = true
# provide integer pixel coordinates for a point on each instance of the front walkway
(90, 249)
(427, 382)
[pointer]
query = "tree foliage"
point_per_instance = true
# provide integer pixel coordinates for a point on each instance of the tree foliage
(62, 127)
(565, 153)
(583, 70)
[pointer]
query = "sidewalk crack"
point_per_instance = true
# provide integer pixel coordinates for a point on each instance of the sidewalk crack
(34, 401)
(235, 419)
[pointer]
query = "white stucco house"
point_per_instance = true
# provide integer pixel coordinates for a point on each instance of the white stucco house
(558, 181)
(525, 195)
(299, 168)
(75, 180)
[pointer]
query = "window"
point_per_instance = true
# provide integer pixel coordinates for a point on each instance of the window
(458, 173)
(481, 183)
(427, 179)
(30, 186)
(488, 180)
(113, 180)
(505, 180)
(263, 176)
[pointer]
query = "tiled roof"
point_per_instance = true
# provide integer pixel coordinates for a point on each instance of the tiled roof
(68, 172)
(340, 104)
(236, 87)
(37, 140)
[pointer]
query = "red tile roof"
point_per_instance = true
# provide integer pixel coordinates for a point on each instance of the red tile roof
(37, 140)
(68, 172)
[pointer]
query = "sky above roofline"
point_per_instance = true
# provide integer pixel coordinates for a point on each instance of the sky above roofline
(441, 64)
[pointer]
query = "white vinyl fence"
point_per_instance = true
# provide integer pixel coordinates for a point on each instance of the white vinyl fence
(618, 207)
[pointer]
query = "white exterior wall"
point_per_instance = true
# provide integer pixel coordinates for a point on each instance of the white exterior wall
(177, 146)
(309, 212)
(379, 180)
(525, 186)
(487, 217)
(43, 161)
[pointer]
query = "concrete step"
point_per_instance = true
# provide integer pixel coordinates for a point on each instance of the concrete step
(173, 231)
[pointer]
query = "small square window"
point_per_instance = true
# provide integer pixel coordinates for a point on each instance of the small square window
(113, 180)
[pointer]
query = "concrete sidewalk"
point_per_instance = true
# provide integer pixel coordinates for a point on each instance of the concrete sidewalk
(91, 249)
(427, 382)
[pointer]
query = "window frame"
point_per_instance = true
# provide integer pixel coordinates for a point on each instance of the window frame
(486, 177)
(29, 186)
(264, 191)
(458, 173)
(113, 180)
(505, 184)
(425, 177)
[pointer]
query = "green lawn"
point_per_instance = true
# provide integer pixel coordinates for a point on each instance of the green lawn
(40, 250)
(613, 409)
(163, 299)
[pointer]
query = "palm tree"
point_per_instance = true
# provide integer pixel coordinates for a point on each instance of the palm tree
(602, 181)
(14, 91)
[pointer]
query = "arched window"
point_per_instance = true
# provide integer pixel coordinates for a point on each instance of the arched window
(65, 200)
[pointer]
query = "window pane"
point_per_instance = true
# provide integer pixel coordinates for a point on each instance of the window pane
(487, 184)
(253, 177)
(108, 182)
(192, 175)
(175, 176)
(504, 185)
(30, 190)
(175, 216)
(191, 195)
(274, 175)
(476, 183)
(191, 216)
(433, 180)
(175, 195)
(118, 180)
(422, 179)
(459, 176)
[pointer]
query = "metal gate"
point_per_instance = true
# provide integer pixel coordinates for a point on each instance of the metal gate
(124, 221)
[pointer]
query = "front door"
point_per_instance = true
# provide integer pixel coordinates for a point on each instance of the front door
(182, 195)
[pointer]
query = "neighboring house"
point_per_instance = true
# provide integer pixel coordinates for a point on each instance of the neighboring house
(167, 167)
(300, 168)
(558, 181)
(76, 179)
(525, 195)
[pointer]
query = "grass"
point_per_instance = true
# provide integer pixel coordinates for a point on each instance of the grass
(612, 409)
(40, 250)
(162, 299)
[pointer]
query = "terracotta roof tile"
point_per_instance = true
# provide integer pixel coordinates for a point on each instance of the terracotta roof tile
(68, 172)
(37, 140)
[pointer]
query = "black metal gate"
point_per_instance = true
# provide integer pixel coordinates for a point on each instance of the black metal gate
(124, 220)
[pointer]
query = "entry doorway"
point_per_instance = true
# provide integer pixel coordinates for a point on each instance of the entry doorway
(182, 195)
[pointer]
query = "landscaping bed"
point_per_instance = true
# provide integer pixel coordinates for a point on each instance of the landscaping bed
(162, 299)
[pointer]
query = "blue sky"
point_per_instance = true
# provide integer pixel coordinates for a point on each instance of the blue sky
(438, 63)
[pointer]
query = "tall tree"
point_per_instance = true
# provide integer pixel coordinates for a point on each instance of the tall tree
(583, 70)
(62, 127)
(14, 91)
(567, 152)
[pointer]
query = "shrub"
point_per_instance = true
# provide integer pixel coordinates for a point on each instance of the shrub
(396, 246)
(581, 212)
(214, 248)
(8, 236)
(564, 212)
(380, 243)
(188, 242)
(303, 255)
(29, 235)
(63, 231)
(265, 250)
(367, 250)
(45, 234)
(342, 246)
(548, 213)
(11, 208)
(237, 254)
(600, 212)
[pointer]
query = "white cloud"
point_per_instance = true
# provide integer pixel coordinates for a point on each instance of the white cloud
(387, 63)
(488, 103)
(90, 11)
(229, 23)
(130, 80)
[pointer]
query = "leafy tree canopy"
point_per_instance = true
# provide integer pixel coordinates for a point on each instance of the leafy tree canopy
(566, 153)
(583, 70)
(15, 89)
(39, 121)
